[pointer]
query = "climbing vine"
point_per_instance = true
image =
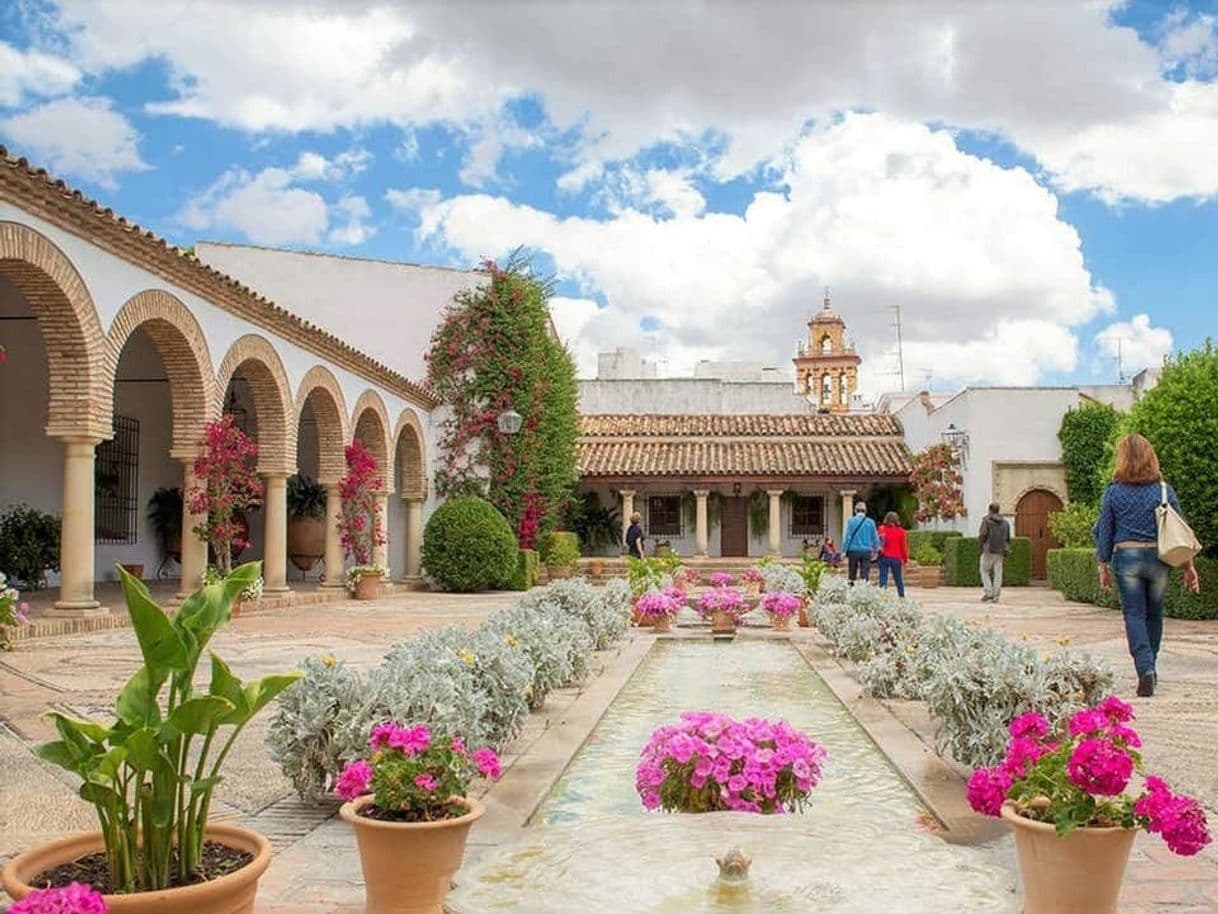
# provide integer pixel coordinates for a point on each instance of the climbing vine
(493, 351)
(1085, 431)
(936, 481)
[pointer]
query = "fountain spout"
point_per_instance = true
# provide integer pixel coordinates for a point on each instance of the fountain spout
(734, 867)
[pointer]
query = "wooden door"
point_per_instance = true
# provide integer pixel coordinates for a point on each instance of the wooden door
(734, 527)
(1032, 520)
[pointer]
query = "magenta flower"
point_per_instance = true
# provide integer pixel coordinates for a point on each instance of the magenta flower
(72, 899)
(1100, 767)
(1178, 819)
(411, 740)
(987, 790)
(781, 605)
(721, 579)
(487, 762)
(458, 746)
(425, 782)
(353, 780)
(1087, 722)
(1117, 711)
(1031, 725)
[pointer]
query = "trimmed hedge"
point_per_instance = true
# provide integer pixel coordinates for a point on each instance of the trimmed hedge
(936, 538)
(560, 550)
(468, 546)
(1073, 573)
(962, 562)
(528, 570)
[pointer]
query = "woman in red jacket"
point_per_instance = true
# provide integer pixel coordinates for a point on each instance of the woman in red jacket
(894, 551)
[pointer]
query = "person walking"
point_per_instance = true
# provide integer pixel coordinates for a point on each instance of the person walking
(995, 540)
(894, 552)
(1126, 547)
(634, 536)
(861, 543)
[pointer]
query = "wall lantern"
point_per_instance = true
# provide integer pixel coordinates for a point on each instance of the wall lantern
(510, 421)
(735, 488)
(957, 438)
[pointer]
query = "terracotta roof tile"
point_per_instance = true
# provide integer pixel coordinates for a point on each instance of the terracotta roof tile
(706, 426)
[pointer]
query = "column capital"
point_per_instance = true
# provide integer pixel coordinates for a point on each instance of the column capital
(848, 493)
(774, 493)
(78, 440)
(701, 493)
(627, 493)
(184, 454)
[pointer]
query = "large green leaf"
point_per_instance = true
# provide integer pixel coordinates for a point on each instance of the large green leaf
(137, 703)
(207, 609)
(100, 794)
(85, 735)
(63, 754)
(159, 643)
(261, 693)
(198, 715)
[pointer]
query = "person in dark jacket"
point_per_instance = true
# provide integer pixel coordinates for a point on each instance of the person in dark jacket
(1127, 548)
(634, 536)
(995, 540)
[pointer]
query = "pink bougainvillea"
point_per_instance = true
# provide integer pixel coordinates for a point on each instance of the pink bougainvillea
(360, 526)
(225, 486)
(937, 481)
(530, 521)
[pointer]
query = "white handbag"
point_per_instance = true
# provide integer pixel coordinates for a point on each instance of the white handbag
(1177, 542)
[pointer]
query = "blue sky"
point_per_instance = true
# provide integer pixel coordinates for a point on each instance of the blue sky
(1029, 183)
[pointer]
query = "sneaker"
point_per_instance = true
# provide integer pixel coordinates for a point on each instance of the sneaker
(987, 599)
(1146, 685)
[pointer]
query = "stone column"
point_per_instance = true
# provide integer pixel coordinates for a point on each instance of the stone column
(414, 538)
(275, 551)
(775, 520)
(380, 552)
(627, 510)
(334, 546)
(194, 549)
(76, 564)
(847, 512)
(701, 533)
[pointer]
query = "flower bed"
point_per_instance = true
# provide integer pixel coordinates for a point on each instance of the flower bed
(726, 600)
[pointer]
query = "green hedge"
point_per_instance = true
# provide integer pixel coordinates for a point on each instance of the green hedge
(528, 570)
(560, 550)
(468, 546)
(1073, 572)
(962, 562)
(936, 538)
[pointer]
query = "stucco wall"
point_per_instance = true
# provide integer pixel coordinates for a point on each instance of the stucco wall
(690, 396)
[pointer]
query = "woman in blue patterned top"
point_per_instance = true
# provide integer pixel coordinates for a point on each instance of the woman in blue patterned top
(1126, 544)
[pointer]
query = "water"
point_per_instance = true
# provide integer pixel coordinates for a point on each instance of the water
(864, 845)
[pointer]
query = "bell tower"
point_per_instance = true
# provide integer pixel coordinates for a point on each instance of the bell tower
(827, 367)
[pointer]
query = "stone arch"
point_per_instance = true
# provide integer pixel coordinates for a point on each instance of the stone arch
(80, 401)
(319, 390)
(179, 340)
(410, 456)
(370, 424)
(263, 370)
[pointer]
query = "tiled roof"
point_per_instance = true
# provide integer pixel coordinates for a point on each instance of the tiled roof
(52, 199)
(853, 446)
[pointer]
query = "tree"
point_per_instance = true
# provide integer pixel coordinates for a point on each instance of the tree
(493, 351)
(1179, 418)
(359, 525)
(225, 487)
(936, 481)
(1084, 433)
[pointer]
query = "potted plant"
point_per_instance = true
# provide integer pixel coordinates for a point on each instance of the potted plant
(1064, 797)
(929, 561)
(657, 608)
(29, 545)
(306, 522)
(561, 555)
(752, 580)
(663, 549)
(225, 487)
(682, 768)
(782, 607)
(135, 770)
(812, 570)
(165, 516)
(596, 567)
(724, 606)
(360, 525)
(12, 611)
(409, 804)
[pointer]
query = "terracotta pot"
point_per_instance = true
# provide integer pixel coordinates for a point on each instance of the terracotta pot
(596, 569)
(306, 541)
(928, 575)
(781, 625)
(722, 623)
(804, 621)
(408, 866)
(661, 624)
(231, 894)
(1078, 874)
(237, 609)
(558, 572)
(136, 571)
(368, 587)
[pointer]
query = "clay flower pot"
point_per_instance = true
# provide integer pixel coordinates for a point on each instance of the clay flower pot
(804, 621)
(231, 894)
(1080, 873)
(368, 587)
(408, 866)
(928, 575)
(306, 541)
(661, 624)
(782, 624)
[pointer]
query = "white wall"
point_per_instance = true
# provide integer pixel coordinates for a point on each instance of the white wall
(690, 396)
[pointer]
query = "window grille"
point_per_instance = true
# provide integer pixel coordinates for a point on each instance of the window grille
(808, 515)
(664, 515)
(116, 484)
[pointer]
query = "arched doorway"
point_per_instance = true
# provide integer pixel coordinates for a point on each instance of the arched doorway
(321, 436)
(410, 470)
(1032, 520)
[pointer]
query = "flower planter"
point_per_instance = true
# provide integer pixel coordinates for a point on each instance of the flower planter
(722, 623)
(781, 625)
(663, 550)
(596, 568)
(368, 587)
(136, 571)
(558, 572)
(804, 621)
(231, 894)
(1080, 873)
(661, 624)
(408, 866)
(306, 542)
(237, 609)
(928, 575)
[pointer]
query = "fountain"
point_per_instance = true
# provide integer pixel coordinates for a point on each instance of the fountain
(862, 847)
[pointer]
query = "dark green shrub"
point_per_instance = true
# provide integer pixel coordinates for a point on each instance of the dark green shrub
(560, 550)
(468, 546)
(1072, 525)
(962, 562)
(306, 497)
(29, 545)
(1073, 573)
(928, 555)
(936, 538)
(1084, 434)
(528, 565)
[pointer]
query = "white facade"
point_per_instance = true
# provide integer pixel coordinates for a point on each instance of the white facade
(690, 396)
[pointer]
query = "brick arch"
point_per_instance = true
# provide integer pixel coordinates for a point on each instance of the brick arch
(179, 340)
(80, 404)
(257, 361)
(410, 456)
(370, 424)
(319, 390)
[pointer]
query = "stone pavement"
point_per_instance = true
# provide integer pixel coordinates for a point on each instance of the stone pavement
(316, 868)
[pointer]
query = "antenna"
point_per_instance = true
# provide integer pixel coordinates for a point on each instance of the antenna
(1120, 355)
(896, 320)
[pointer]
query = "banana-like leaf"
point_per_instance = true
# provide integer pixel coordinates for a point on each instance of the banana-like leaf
(97, 733)
(205, 610)
(225, 685)
(262, 692)
(137, 703)
(62, 754)
(198, 715)
(99, 794)
(160, 644)
(145, 752)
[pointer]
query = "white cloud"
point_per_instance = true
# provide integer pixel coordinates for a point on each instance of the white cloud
(887, 212)
(412, 200)
(82, 137)
(1190, 43)
(30, 72)
(1136, 343)
(356, 228)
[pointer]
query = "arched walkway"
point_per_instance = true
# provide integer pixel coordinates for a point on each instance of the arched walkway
(253, 359)
(370, 420)
(410, 465)
(321, 438)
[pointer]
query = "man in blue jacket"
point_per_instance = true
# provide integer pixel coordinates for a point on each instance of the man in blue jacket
(861, 542)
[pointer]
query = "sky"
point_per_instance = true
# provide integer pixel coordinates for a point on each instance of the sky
(1031, 184)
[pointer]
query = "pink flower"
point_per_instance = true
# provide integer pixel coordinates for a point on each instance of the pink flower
(987, 790)
(425, 782)
(1100, 767)
(1031, 725)
(458, 746)
(488, 764)
(411, 740)
(353, 780)
(1178, 819)
(1088, 721)
(72, 899)
(1022, 753)
(781, 605)
(721, 579)
(1116, 710)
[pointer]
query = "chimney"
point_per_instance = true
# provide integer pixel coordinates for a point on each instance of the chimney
(925, 400)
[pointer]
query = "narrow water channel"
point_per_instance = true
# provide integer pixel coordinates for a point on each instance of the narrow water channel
(861, 847)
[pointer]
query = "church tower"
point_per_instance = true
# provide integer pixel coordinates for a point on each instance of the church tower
(827, 367)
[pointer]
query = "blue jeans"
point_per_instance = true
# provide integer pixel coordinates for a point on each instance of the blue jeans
(1141, 582)
(897, 567)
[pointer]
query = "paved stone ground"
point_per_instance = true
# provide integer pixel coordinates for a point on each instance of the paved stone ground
(316, 869)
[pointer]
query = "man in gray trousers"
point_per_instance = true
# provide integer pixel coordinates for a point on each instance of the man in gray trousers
(995, 539)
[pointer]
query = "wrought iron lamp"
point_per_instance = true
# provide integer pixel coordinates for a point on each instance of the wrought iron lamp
(510, 421)
(957, 438)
